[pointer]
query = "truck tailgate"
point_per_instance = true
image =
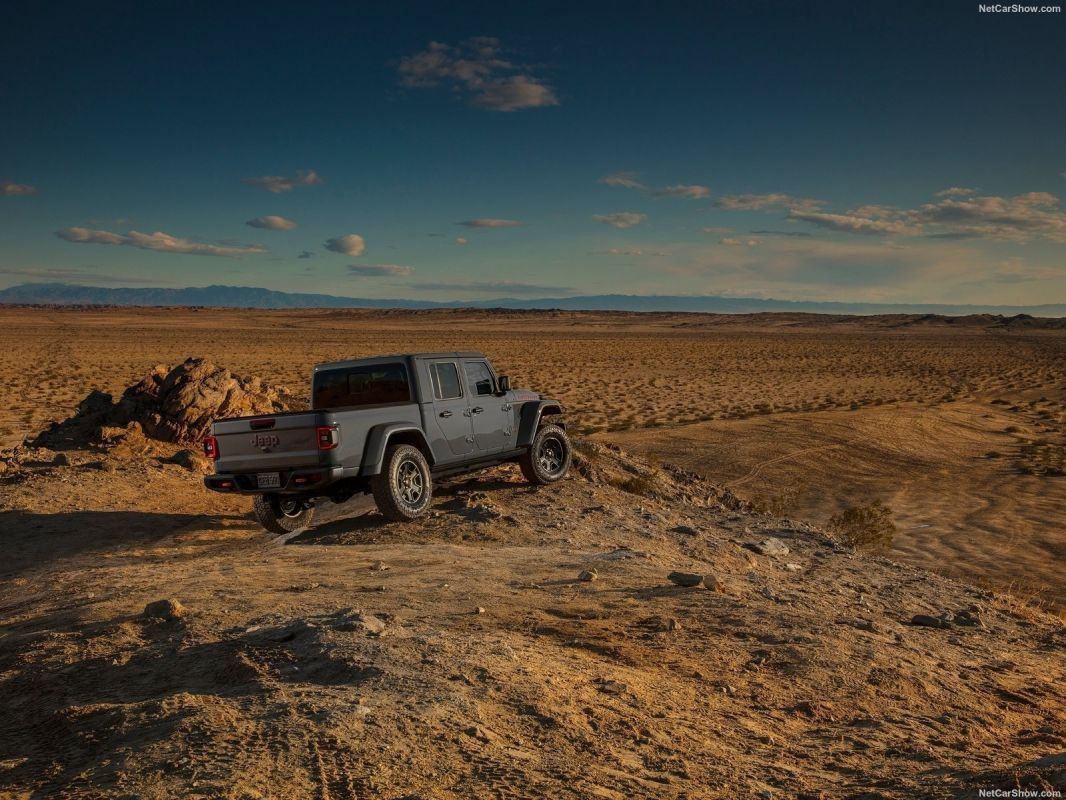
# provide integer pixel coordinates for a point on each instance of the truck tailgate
(269, 443)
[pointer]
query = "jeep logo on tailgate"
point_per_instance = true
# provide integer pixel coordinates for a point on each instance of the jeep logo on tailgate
(265, 442)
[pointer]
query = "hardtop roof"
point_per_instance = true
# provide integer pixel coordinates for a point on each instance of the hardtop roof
(396, 356)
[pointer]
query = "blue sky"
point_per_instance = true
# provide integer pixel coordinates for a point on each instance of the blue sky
(894, 151)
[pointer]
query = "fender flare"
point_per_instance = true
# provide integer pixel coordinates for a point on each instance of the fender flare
(378, 439)
(529, 419)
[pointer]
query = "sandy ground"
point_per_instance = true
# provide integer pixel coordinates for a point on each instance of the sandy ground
(463, 656)
(958, 427)
(956, 509)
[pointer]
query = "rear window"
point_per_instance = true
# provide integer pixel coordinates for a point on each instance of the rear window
(368, 385)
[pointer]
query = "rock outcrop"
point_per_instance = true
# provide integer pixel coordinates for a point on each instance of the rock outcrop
(170, 404)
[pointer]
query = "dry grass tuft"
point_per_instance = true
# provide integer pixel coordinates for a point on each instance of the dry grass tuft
(781, 504)
(1023, 603)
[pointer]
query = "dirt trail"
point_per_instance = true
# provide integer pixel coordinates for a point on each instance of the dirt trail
(462, 657)
(758, 468)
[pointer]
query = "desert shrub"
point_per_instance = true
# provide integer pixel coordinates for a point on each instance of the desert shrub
(1022, 602)
(868, 526)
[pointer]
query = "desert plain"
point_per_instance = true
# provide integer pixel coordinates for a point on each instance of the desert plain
(463, 656)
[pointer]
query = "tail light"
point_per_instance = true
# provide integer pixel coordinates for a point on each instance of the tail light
(211, 448)
(326, 436)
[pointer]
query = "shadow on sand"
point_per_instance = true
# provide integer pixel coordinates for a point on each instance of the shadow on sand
(358, 521)
(30, 538)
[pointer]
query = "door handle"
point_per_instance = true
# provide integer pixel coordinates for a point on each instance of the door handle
(506, 407)
(477, 410)
(446, 413)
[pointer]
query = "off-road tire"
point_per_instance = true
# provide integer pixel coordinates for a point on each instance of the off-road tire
(282, 514)
(548, 458)
(404, 487)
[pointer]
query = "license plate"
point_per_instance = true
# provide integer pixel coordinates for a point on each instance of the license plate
(268, 480)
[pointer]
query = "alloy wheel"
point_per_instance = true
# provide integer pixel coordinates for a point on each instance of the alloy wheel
(410, 483)
(550, 455)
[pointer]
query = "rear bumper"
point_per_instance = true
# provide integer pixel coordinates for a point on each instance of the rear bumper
(293, 481)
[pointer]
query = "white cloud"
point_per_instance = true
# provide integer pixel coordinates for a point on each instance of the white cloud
(285, 183)
(78, 276)
(158, 241)
(690, 191)
(622, 219)
(618, 251)
(956, 191)
(958, 215)
(9, 189)
(852, 223)
(1018, 219)
(351, 244)
(489, 222)
(716, 231)
(477, 68)
(875, 211)
(790, 234)
(735, 242)
(515, 93)
(273, 223)
(759, 202)
(377, 270)
(627, 180)
(461, 240)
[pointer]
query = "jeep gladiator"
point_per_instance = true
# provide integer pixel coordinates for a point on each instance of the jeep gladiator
(387, 426)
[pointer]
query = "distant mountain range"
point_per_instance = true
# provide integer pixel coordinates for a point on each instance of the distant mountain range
(254, 297)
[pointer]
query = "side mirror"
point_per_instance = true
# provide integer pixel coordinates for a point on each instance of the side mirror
(504, 383)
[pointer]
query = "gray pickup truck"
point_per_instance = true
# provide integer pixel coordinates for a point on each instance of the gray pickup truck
(388, 426)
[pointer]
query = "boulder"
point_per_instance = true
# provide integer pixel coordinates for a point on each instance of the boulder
(166, 610)
(713, 583)
(927, 621)
(770, 547)
(190, 460)
(687, 579)
(354, 620)
(687, 530)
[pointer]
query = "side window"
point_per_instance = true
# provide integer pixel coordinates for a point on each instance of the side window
(446, 384)
(478, 377)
